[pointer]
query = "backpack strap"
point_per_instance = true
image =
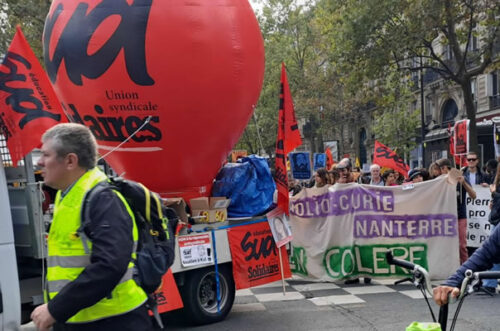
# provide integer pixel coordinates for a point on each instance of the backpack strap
(85, 213)
(147, 196)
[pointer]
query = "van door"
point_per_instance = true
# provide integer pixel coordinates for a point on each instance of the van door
(10, 313)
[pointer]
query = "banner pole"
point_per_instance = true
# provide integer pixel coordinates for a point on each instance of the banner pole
(282, 273)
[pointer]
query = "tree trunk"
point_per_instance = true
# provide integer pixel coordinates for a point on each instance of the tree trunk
(470, 109)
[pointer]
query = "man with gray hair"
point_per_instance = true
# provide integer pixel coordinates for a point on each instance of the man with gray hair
(89, 264)
(376, 179)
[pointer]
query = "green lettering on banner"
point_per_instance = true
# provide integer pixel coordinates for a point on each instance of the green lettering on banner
(298, 261)
(348, 261)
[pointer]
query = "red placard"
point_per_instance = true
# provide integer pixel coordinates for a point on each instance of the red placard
(168, 297)
(255, 256)
(461, 137)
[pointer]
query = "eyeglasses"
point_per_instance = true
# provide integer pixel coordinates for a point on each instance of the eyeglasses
(471, 160)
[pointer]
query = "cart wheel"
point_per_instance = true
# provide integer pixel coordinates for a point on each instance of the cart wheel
(199, 295)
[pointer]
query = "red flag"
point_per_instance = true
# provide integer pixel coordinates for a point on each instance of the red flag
(385, 157)
(28, 103)
(329, 159)
(288, 139)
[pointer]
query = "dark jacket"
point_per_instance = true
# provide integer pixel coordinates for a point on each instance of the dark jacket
(494, 217)
(110, 230)
(482, 259)
(481, 177)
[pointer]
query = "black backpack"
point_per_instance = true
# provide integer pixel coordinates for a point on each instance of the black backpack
(156, 226)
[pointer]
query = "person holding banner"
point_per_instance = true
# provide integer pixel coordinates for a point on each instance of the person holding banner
(389, 178)
(321, 177)
(434, 171)
(344, 168)
(376, 179)
(463, 187)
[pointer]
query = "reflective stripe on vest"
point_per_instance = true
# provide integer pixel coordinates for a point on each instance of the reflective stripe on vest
(67, 256)
(57, 285)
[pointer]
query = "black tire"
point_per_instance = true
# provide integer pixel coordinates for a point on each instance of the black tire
(199, 295)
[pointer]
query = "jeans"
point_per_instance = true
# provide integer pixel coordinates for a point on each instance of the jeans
(496, 267)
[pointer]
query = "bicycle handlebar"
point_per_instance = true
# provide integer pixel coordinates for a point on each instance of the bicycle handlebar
(401, 263)
(420, 275)
(486, 275)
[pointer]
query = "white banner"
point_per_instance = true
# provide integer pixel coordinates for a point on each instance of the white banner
(344, 230)
(478, 211)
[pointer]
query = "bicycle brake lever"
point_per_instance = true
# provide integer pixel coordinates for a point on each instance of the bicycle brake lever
(473, 286)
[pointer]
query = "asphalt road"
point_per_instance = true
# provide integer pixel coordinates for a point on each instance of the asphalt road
(378, 311)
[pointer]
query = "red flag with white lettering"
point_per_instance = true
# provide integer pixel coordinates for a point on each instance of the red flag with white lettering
(28, 103)
(288, 139)
(385, 157)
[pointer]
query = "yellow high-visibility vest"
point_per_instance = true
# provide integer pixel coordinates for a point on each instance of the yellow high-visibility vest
(69, 254)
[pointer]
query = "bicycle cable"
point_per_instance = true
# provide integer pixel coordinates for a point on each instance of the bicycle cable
(428, 304)
(452, 327)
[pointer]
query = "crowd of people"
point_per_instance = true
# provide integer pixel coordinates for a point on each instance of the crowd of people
(343, 172)
(471, 174)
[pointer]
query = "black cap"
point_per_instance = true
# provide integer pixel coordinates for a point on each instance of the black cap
(414, 173)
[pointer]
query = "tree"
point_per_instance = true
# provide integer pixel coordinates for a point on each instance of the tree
(455, 38)
(289, 37)
(396, 117)
(30, 15)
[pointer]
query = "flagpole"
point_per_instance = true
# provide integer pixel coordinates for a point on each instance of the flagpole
(258, 133)
(282, 272)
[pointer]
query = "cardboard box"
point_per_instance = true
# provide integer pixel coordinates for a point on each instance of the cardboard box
(209, 210)
(179, 205)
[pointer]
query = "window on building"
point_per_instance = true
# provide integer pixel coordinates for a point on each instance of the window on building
(495, 83)
(429, 108)
(450, 111)
(473, 87)
(472, 46)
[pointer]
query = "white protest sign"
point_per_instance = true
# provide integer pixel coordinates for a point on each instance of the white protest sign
(195, 250)
(280, 229)
(344, 230)
(478, 210)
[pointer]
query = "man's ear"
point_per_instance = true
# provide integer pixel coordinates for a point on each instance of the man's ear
(71, 161)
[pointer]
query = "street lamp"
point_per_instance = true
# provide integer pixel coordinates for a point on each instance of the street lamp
(422, 121)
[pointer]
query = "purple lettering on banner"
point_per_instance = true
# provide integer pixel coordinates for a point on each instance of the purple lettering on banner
(405, 226)
(344, 202)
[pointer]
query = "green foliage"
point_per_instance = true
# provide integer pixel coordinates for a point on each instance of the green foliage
(396, 119)
(372, 38)
(30, 15)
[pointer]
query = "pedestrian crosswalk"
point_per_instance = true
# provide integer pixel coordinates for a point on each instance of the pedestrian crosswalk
(320, 293)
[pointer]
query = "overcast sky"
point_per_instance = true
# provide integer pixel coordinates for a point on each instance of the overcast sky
(254, 4)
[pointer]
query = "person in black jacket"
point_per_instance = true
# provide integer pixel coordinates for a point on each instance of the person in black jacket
(81, 283)
(473, 172)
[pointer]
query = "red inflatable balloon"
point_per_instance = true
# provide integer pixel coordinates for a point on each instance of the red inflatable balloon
(185, 73)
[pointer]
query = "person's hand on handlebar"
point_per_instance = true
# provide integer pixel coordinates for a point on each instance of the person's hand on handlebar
(441, 294)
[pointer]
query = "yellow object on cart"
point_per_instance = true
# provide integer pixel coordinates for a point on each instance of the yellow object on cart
(423, 326)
